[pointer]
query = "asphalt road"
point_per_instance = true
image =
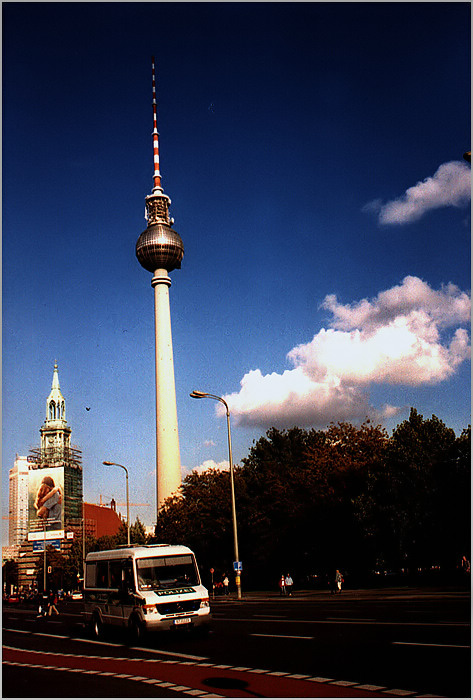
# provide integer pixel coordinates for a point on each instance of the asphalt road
(398, 642)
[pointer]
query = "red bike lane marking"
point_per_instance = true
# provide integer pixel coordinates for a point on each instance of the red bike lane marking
(225, 682)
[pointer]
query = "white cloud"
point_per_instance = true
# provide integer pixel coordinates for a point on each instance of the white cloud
(207, 464)
(398, 338)
(209, 443)
(449, 187)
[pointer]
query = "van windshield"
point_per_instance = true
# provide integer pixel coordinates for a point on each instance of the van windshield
(158, 573)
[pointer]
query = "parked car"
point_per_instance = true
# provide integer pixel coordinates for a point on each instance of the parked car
(76, 595)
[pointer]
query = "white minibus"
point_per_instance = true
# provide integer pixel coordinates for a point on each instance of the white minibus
(145, 587)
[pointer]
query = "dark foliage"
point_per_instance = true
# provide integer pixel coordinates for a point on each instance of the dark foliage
(347, 497)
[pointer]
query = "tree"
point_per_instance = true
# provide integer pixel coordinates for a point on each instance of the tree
(341, 462)
(55, 568)
(406, 497)
(10, 575)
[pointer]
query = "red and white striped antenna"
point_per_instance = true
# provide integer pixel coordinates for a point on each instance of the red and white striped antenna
(157, 175)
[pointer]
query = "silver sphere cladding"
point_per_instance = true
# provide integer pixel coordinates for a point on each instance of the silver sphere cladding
(159, 247)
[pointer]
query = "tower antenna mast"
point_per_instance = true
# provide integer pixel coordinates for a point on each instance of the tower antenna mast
(157, 175)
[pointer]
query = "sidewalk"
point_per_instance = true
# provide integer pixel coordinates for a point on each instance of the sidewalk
(407, 592)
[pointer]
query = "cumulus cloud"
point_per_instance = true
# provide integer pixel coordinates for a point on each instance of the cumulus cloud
(405, 336)
(207, 464)
(450, 186)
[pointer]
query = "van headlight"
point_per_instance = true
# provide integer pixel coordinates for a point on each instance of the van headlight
(147, 609)
(204, 603)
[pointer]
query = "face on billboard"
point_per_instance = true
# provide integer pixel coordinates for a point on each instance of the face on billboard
(46, 499)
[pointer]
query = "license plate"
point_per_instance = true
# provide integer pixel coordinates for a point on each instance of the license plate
(183, 621)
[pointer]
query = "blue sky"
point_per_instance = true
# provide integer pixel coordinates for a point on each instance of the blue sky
(313, 156)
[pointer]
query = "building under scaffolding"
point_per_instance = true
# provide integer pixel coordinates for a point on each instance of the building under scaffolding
(71, 459)
(55, 451)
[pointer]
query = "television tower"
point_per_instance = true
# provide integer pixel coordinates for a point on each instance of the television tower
(160, 250)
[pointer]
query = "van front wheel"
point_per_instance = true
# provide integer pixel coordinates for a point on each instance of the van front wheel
(136, 630)
(97, 626)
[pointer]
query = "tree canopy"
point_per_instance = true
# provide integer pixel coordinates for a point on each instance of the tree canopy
(350, 497)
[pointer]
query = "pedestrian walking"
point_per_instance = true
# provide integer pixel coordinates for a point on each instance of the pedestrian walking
(52, 602)
(43, 605)
(338, 580)
(225, 584)
(282, 585)
(289, 584)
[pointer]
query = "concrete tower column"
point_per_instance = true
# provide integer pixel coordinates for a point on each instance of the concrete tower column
(168, 462)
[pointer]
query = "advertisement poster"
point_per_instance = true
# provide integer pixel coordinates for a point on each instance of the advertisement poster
(46, 501)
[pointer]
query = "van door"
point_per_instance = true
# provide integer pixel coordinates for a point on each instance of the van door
(115, 599)
(127, 588)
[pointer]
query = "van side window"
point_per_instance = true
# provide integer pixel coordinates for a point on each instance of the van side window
(128, 575)
(115, 573)
(90, 575)
(102, 574)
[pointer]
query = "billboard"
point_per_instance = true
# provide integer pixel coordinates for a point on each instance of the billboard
(46, 502)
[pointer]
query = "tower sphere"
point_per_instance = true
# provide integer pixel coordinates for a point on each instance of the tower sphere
(159, 247)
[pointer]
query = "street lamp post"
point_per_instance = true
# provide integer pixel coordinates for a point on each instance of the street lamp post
(114, 464)
(44, 556)
(205, 395)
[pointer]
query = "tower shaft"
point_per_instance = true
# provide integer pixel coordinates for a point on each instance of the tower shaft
(168, 461)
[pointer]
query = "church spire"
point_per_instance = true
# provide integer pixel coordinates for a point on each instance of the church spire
(55, 404)
(55, 433)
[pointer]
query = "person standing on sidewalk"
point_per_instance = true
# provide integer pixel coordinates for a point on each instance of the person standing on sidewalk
(282, 585)
(289, 584)
(338, 580)
(225, 584)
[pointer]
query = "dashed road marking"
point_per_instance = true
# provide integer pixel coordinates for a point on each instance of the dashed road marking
(280, 636)
(397, 691)
(343, 683)
(425, 644)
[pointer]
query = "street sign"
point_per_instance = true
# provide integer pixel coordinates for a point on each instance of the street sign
(237, 566)
(38, 545)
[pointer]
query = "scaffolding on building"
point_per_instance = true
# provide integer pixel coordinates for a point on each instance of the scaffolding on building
(71, 459)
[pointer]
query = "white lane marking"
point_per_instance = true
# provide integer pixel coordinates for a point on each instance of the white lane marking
(368, 686)
(397, 691)
(352, 619)
(299, 676)
(351, 622)
(111, 644)
(171, 653)
(281, 636)
(320, 679)
(92, 641)
(277, 673)
(425, 644)
(5, 629)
